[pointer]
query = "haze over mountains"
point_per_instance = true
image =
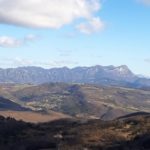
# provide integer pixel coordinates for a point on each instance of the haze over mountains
(103, 75)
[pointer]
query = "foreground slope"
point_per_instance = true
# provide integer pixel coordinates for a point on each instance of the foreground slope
(127, 133)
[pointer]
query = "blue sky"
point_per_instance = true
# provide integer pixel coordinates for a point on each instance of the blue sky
(75, 33)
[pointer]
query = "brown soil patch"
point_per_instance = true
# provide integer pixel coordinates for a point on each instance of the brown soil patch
(33, 117)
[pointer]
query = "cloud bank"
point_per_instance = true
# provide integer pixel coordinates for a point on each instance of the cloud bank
(50, 13)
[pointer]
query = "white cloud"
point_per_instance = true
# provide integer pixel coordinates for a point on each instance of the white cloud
(145, 2)
(147, 60)
(93, 25)
(11, 42)
(6, 41)
(46, 13)
(31, 37)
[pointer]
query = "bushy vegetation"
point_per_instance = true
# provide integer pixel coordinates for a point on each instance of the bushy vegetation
(129, 133)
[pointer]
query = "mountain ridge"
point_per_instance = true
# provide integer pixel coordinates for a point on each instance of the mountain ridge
(103, 75)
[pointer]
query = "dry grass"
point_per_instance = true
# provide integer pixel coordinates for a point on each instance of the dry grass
(33, 117)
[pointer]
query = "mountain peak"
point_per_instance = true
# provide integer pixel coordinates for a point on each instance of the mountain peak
(123, 69)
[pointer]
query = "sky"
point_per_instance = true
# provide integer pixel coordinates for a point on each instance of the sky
(57, 33)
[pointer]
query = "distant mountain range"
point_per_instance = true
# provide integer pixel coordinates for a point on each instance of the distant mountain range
(103, 75)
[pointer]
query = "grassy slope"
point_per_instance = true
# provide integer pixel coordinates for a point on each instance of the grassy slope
(34, 117)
